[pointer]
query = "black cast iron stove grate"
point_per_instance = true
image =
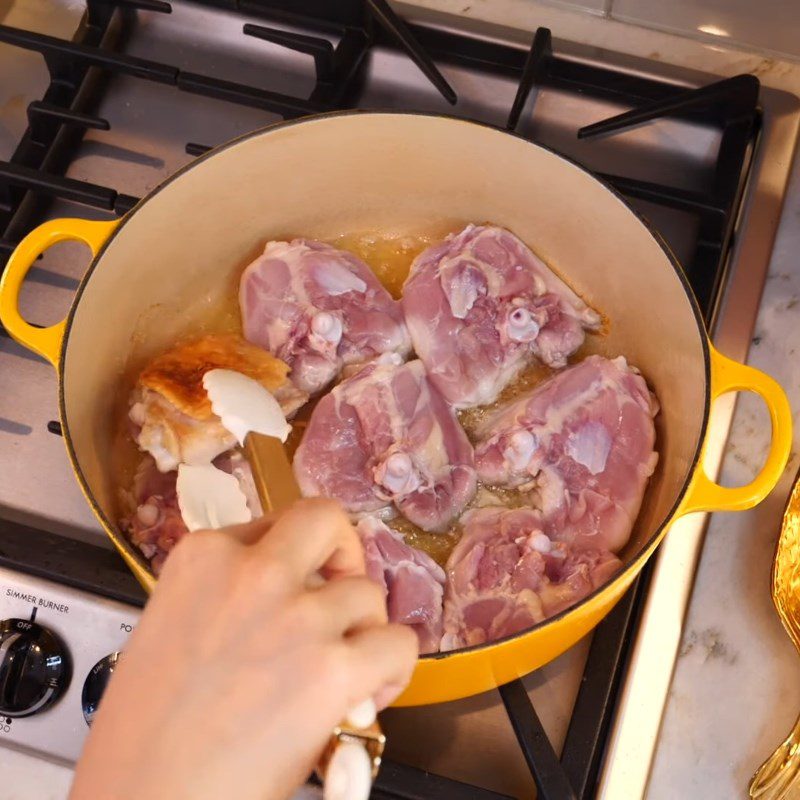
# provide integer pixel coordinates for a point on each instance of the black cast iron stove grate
(35, 174)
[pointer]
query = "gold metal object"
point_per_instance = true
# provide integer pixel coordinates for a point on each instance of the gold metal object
(778, 777)
(277, 489)
(371, 738)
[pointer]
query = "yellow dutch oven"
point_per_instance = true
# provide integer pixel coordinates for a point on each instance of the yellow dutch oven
(156, 272)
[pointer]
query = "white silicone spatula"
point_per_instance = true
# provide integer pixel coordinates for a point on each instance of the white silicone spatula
(255, 418)
(210, 498)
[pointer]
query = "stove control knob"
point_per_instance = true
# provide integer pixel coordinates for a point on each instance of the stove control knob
(34, 668)
(95, 685)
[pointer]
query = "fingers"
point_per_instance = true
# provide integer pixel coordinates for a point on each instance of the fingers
(251, 532)
(315, 535)
(383, 659)
(348, 605)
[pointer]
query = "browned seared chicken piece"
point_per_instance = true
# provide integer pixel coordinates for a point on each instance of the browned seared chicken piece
(171, 412)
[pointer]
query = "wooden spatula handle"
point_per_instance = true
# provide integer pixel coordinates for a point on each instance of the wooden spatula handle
(277, 489)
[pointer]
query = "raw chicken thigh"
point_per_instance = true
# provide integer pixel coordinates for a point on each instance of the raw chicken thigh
(170, 410)
(386, 436)
(505, 575)
(582, 442)
(155, 525)
(480, 305)
(318, 309)
(412, 580)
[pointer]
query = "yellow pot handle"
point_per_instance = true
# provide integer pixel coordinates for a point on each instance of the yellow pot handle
(731, 376)
(44, 341)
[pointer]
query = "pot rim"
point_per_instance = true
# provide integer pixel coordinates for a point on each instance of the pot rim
(633, 566)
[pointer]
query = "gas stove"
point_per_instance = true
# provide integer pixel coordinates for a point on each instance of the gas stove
(100, 102)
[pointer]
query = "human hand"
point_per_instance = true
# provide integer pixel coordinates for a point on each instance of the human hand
(243, 663)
